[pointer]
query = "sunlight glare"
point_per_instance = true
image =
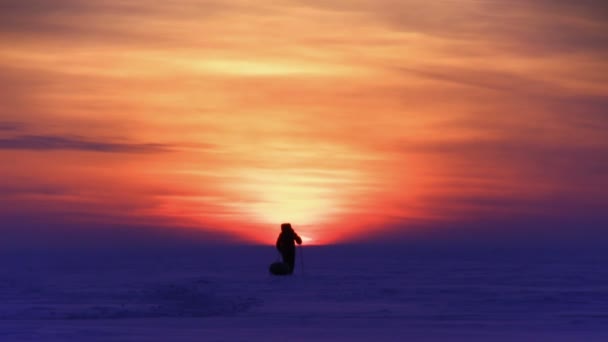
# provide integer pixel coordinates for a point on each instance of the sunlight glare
(286, 198)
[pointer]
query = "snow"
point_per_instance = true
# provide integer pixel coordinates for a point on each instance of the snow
(224, 293)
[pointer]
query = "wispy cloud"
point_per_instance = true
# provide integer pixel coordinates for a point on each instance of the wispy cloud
(538, 27)
(88, 20)
(53, 142)
(10, 126)
(485, 79)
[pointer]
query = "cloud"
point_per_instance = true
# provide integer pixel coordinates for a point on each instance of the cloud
(38, 15)
(53, 142)
(483, 79)
(106, 21)
(552, 160)
(509, 176)
(587, 113)
(10, 126)
(12, 189)
(534, 27)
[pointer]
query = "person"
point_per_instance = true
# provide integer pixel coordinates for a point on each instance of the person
(286, 245)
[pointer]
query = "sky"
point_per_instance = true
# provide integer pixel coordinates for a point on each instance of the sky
(353, 120)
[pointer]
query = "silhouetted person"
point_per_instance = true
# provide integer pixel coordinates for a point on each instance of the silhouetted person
(286, 245)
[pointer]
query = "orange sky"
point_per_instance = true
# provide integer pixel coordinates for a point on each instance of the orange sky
(341, 117)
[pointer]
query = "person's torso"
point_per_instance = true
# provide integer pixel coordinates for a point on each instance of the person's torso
(286, 240)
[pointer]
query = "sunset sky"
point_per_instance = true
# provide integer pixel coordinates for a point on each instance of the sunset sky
(350, 119)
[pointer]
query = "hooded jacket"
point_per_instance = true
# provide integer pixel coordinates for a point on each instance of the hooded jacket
(288, 238)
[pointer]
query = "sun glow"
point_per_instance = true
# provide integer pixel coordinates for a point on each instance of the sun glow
(306, 239)
(280, 198)
(310, 199)
(266, 68)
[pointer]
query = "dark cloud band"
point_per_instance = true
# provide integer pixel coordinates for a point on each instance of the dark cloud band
(52, 142)
(10, 126)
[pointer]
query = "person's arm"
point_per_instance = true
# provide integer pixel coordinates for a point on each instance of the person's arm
(278, 244)
(297, 238)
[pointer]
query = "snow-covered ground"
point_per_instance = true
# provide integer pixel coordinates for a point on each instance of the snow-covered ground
(341, 293)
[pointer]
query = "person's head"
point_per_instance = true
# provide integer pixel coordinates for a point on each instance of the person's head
(285, 227)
